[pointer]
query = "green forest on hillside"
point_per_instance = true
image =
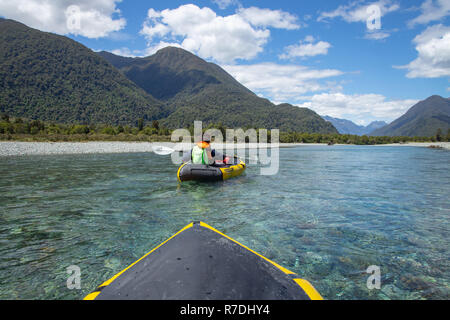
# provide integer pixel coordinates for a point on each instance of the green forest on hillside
(53, 78)
(424, 118)
(76, 93)
(193, 89)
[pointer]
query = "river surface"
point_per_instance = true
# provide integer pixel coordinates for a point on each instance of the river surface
(329, 214)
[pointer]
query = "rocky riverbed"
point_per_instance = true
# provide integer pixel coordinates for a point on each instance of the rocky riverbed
(12, 148)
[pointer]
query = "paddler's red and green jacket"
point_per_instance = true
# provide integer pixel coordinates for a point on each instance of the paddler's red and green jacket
(200, 153)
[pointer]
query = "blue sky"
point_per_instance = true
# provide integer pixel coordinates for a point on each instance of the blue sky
(317, 54)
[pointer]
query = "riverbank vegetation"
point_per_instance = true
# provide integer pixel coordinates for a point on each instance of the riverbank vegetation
(17, 129)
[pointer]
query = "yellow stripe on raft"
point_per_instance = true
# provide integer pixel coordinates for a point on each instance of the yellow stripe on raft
(233, 171)
(309, 289)
(92, 295)
(268, 260)
(304, 284)
(108, 282)
(178, 173)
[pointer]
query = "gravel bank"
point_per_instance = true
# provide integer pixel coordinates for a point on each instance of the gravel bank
(11, 148)
(48, 148)
(443, 145)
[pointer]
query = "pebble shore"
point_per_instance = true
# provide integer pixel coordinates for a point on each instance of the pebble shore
(50, 148)
(11, 148)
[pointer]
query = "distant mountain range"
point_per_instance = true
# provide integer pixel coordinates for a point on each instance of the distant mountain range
(53, 78)
(423, 119)
(348, 127)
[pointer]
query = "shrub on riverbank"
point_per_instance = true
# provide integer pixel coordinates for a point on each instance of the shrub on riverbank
(23, 130)
(83, 138)
(295, 137)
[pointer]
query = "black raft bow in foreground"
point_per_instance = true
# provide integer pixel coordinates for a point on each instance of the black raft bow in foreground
(201, 263)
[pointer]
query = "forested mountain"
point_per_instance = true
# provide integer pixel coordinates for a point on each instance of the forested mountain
(194, 89)
(423, 119)
(53, 78)
(49, 77)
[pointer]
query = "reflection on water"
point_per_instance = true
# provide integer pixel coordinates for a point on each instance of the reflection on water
(330, 213)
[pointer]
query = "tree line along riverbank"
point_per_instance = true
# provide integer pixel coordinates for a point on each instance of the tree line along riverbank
(17, 129)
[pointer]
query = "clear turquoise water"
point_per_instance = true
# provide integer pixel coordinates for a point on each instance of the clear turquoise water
(330, 213)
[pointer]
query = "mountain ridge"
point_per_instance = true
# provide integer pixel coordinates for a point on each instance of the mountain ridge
(53, 78)
(422, 119)
(200, 90)
(345, 126)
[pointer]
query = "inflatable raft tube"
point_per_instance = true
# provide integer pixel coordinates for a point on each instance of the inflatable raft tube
(200, 172)
(200, 263)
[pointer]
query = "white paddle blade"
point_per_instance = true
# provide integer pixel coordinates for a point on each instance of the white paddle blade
(162, 151)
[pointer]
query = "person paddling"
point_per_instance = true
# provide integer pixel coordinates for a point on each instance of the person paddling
(202, 153)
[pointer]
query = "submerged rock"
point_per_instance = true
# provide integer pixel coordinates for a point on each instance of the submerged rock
(112, 263)
(391, 291)
(415, 283)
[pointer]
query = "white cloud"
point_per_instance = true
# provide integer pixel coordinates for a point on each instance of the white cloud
(269, 18)
(432, 10)
(360, 108)
(357, 11)
(96, 18)
(292, 83)
(306, 48)
(126, 52)
(433, 47)
(222, 38)
(281, 83)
